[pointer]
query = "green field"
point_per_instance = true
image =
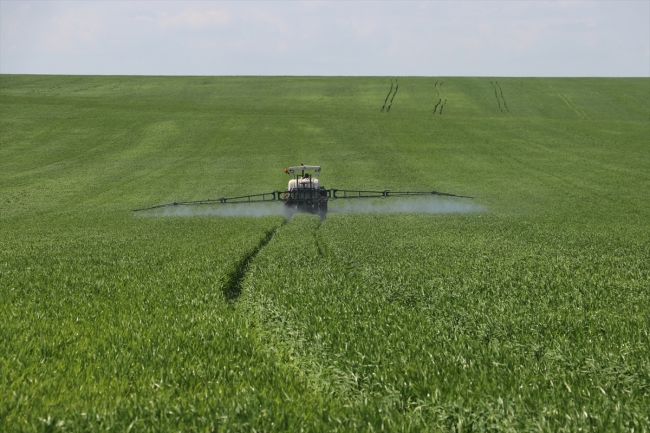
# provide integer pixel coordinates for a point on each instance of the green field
(532, 314)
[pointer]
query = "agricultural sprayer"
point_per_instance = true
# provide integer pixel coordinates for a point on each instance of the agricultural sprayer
(304, 193)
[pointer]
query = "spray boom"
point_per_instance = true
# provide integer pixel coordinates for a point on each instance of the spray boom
(305, 194)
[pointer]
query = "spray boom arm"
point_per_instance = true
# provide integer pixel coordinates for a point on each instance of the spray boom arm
(332, 194)
(304, 190)
(351, 193)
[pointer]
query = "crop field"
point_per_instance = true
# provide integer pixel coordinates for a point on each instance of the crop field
(524, 309)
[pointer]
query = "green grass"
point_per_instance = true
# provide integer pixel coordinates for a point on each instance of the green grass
(530, 315)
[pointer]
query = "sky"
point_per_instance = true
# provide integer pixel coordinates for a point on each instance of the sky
(358, 38)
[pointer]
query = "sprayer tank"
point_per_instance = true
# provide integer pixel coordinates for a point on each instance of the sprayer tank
(308, 183)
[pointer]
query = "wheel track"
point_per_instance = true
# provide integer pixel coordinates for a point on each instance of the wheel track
(581, 114)
(444, 94)
(439, 98)
(391, 99)
(232, 288)
(390, 92)
(288, 343)
(501, 101)
(387, 96)
(496, 95)
(502, 97)
(317, 240)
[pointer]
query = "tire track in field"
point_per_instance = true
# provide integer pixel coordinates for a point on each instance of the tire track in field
(502, 97)
(501, 101)
(232, 288)
(387, 96)
(496, 95)
(581, 114)
(441, 97)
(391, 99)
(317, 239)
(390, 104)
(288, 342)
